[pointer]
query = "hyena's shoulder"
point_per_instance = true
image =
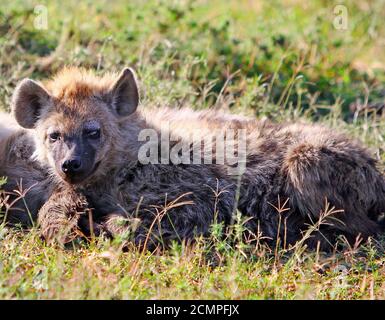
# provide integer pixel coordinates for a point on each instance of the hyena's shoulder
(18, 146)
(17, 160)
(28, 184)
(16, 143)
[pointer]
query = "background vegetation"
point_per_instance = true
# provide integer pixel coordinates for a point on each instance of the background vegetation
(284, 60)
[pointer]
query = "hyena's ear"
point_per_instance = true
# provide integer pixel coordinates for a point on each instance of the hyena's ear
(124, 94)
(27, 101)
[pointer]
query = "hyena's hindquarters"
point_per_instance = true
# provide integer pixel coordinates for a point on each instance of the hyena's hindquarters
(341, 173)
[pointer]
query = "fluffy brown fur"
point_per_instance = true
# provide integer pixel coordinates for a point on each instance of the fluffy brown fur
(8, 126)
(29, 185)
(61, 218)
(308, 165)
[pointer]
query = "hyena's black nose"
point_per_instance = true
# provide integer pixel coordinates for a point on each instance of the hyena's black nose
(71, 166)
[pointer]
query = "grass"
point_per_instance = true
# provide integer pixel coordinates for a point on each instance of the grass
(100, 270)
(278, 59)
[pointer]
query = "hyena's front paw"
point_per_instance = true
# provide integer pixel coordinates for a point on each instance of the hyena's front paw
(58, 218)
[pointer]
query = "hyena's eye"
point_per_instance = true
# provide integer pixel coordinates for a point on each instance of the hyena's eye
(92, 134)
(54, 136)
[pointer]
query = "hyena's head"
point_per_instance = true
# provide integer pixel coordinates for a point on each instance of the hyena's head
(76, 117)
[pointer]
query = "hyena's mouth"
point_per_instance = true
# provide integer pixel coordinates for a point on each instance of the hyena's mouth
(80, 177)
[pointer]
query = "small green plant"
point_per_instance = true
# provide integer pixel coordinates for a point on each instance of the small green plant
(3, 181)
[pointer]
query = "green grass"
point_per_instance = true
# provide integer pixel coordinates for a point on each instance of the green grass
(100, 270)
(278, 59)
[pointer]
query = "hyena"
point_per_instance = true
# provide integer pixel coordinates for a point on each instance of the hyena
(95, 157)
(86, 133)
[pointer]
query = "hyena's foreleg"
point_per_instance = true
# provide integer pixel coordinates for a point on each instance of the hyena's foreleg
(60, 216)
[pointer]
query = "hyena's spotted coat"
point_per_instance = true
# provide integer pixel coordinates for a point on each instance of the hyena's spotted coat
(85, 134)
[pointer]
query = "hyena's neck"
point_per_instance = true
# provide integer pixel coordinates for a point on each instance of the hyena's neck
(133, 132)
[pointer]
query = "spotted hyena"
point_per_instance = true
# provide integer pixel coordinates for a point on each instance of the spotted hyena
(88, 137)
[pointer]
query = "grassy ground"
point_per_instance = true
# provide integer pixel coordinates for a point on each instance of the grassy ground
(284, 60)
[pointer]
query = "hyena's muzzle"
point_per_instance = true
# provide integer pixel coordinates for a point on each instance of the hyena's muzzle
(75, 156)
